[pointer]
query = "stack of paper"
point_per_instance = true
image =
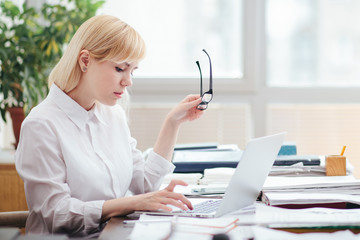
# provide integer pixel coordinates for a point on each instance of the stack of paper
(311, 191)
(261, 233)
(329, 183)
(299, 169)
(224, 174)
(217, 175)
(189, 178)
(308, 200)
(291, 218)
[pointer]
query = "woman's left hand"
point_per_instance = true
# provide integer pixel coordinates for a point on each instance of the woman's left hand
(186, 110)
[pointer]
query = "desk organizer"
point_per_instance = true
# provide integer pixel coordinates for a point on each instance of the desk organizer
(335, 165)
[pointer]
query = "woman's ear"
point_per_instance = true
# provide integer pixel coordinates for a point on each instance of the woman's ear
(84, 58)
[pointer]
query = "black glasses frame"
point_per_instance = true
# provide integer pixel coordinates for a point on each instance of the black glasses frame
(207, 96)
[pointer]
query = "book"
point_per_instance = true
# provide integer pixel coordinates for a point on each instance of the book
(197, 160)
(306, 160)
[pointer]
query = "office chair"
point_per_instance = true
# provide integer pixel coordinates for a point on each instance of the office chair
(13, 219)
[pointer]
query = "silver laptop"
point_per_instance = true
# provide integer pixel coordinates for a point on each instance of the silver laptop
(246, 183)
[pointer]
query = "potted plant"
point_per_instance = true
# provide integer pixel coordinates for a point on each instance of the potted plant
(31, 42)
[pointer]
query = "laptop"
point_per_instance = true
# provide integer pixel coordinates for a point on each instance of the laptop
(246, 182)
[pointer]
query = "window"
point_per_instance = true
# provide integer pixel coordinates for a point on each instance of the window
(176, 32)
(313, 42)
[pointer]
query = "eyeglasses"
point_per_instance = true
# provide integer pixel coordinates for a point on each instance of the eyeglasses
(206, 97)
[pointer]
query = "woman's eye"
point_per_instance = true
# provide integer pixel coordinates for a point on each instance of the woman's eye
(118, 69)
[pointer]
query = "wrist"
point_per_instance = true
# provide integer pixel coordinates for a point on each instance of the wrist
(172, 122)
(117, 207)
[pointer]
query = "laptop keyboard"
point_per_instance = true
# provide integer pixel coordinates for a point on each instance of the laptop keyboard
(208, 206)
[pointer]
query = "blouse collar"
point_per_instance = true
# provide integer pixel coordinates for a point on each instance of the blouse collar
(72, 109)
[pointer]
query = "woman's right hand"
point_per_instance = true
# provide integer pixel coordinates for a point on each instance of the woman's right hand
(160, 200)
(153, 201)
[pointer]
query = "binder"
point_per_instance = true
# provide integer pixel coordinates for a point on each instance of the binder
(188, 161)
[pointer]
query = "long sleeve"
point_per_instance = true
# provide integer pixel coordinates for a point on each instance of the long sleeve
(40, 164)
(148, 173)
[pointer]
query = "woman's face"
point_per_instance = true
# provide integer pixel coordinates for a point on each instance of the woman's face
(108, 80)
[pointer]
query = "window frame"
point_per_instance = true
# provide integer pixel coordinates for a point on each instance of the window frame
(252, 88)
(161, 86)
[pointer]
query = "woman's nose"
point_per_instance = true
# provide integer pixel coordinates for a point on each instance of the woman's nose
(126, 81)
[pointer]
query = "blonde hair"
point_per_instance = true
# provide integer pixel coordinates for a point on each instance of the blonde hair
(106, 38)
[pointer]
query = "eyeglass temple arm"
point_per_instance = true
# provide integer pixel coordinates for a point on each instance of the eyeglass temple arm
(210, 69)
(198, 64)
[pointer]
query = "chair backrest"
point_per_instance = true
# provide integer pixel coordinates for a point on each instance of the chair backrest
(13, 219)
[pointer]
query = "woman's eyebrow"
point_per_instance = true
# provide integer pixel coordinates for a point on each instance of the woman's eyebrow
(128, 65)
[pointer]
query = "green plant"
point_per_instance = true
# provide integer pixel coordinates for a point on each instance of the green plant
(31, 42)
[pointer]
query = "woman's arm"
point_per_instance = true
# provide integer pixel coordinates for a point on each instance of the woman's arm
(185, 111)
(152, 201)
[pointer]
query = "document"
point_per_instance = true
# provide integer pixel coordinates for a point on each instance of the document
(304, 198)
(189, 178)
(160, 227)
(261, 233)
(300, 192)
(221, 175)
(310, 217)
(316, 184)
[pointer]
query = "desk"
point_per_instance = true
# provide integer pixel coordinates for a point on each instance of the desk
(115, 229)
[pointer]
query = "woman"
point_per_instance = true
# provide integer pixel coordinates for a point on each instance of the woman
(76, 155)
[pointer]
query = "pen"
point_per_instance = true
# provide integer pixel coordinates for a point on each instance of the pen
(343, 150)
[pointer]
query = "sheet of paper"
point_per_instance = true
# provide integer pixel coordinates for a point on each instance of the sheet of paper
(280, 217)
(189, 178)
(295, 183)
(192, 228)
(279, 198)
(187, 190)
(261, 233)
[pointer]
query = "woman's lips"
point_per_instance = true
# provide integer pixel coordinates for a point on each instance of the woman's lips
(118, 94)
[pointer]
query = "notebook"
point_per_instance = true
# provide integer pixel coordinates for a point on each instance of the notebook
(246, 182)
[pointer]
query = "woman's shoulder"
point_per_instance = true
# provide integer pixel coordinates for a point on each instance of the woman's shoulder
(45, 113)
(44, 110)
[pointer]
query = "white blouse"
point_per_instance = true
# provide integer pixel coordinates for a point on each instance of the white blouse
(72, 160)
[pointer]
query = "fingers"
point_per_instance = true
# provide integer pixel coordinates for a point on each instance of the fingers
(175, 199)
(176, 203)
(161, 199)
(191, 97)
(179, 197)
(195, 114)
(180, 200)
(194, 103)
(173, 184)
(194, 100)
